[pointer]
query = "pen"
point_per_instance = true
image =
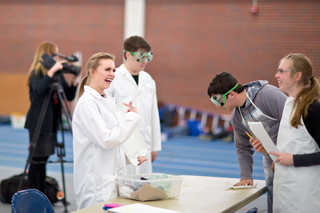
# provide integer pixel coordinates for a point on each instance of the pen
(253, 139)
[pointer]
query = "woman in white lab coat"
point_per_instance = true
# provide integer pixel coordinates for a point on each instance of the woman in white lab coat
(97, 135)
(297, 168)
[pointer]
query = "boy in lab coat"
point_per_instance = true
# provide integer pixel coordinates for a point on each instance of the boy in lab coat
(132, 83)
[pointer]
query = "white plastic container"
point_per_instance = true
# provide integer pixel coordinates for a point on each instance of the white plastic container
(154, 186)
(17, 120)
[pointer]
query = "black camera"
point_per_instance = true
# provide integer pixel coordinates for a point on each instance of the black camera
(49, 61)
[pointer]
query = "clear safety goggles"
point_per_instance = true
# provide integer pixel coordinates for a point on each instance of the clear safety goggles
(280, 71)
(142, 56)
(220, 100)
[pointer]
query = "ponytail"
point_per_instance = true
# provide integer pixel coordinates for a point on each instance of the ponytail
(81, 88)
(304, 99)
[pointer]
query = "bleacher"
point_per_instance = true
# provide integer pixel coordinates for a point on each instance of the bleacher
(206, 119)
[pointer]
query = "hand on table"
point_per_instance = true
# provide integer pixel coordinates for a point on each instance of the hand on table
(244, 182)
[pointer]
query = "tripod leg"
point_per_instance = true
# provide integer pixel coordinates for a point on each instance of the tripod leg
(36, 134)
(63, 185)
(65, 107)
(61, 147)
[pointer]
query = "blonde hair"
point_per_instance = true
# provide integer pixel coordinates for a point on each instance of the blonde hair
(311, 90)
(93, 64)
(36, 66)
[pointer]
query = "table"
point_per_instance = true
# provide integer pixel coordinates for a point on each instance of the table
(199, 194)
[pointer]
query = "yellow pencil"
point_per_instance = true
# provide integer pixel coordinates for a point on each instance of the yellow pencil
(253, 139)
(249, 135)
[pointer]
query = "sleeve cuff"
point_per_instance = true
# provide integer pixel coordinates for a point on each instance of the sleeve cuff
(296, 161)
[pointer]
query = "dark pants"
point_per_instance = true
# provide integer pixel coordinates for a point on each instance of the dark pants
(269, 175)
(37, 173)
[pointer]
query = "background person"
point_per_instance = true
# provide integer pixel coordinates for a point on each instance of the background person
(255, 101)
(134, 84)
(297, 168)
(98, 135)
(39, 79)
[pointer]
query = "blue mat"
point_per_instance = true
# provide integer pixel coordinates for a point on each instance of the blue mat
(187, 155)
(14, 149)
(190, 155)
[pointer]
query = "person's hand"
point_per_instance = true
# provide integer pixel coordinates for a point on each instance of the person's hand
(154, 155)
(131, 108)
(244, 182)
(56, 67)
(257, 145)
(141, 159)
(76, 80)
(284, 159)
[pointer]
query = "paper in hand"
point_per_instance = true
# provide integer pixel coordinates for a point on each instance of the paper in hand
(260, 132)
(135, 145)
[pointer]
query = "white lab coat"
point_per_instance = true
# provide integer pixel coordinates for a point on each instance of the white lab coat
(144, 97)
(98, 157)
(296, 189)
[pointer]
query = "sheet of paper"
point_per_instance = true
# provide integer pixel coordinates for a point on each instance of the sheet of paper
(245, 187)
(135, 145)
(140, 208)
(260, 132)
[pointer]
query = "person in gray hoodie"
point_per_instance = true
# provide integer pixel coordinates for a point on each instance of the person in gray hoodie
(256, 101)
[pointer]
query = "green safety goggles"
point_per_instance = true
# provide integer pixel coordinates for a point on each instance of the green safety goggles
(142, 56)
(220, 100)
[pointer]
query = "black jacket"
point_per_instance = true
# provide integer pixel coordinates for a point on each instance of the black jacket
(39, 89)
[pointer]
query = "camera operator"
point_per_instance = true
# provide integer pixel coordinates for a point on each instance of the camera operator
(39, 80)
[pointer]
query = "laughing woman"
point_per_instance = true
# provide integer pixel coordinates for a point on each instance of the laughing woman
(98, 135)
(297, 168)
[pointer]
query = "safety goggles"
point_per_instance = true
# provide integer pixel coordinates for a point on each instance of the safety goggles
(141, 56)
(280, 71)
(220, 100)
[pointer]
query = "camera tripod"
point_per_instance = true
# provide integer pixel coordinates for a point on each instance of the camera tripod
(53, 87)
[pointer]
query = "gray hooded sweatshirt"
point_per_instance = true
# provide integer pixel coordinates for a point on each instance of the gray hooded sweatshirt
(270, 102)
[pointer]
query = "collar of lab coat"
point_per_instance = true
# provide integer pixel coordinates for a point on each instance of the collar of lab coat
(94, 92)
(123, 70)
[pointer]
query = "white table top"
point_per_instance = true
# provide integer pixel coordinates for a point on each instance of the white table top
(199, 194)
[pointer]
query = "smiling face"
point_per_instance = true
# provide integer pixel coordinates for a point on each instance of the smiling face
(103, 75)
(287, 80)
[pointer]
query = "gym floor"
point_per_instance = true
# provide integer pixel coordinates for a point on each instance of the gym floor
(183, 155)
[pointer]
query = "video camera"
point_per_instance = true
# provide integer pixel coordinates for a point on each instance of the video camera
(49, 61)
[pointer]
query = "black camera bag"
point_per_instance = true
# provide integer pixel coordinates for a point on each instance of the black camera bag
(10, 186)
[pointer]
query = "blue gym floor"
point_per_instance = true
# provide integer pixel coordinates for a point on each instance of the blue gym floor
(185, 155)
(179, 156)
